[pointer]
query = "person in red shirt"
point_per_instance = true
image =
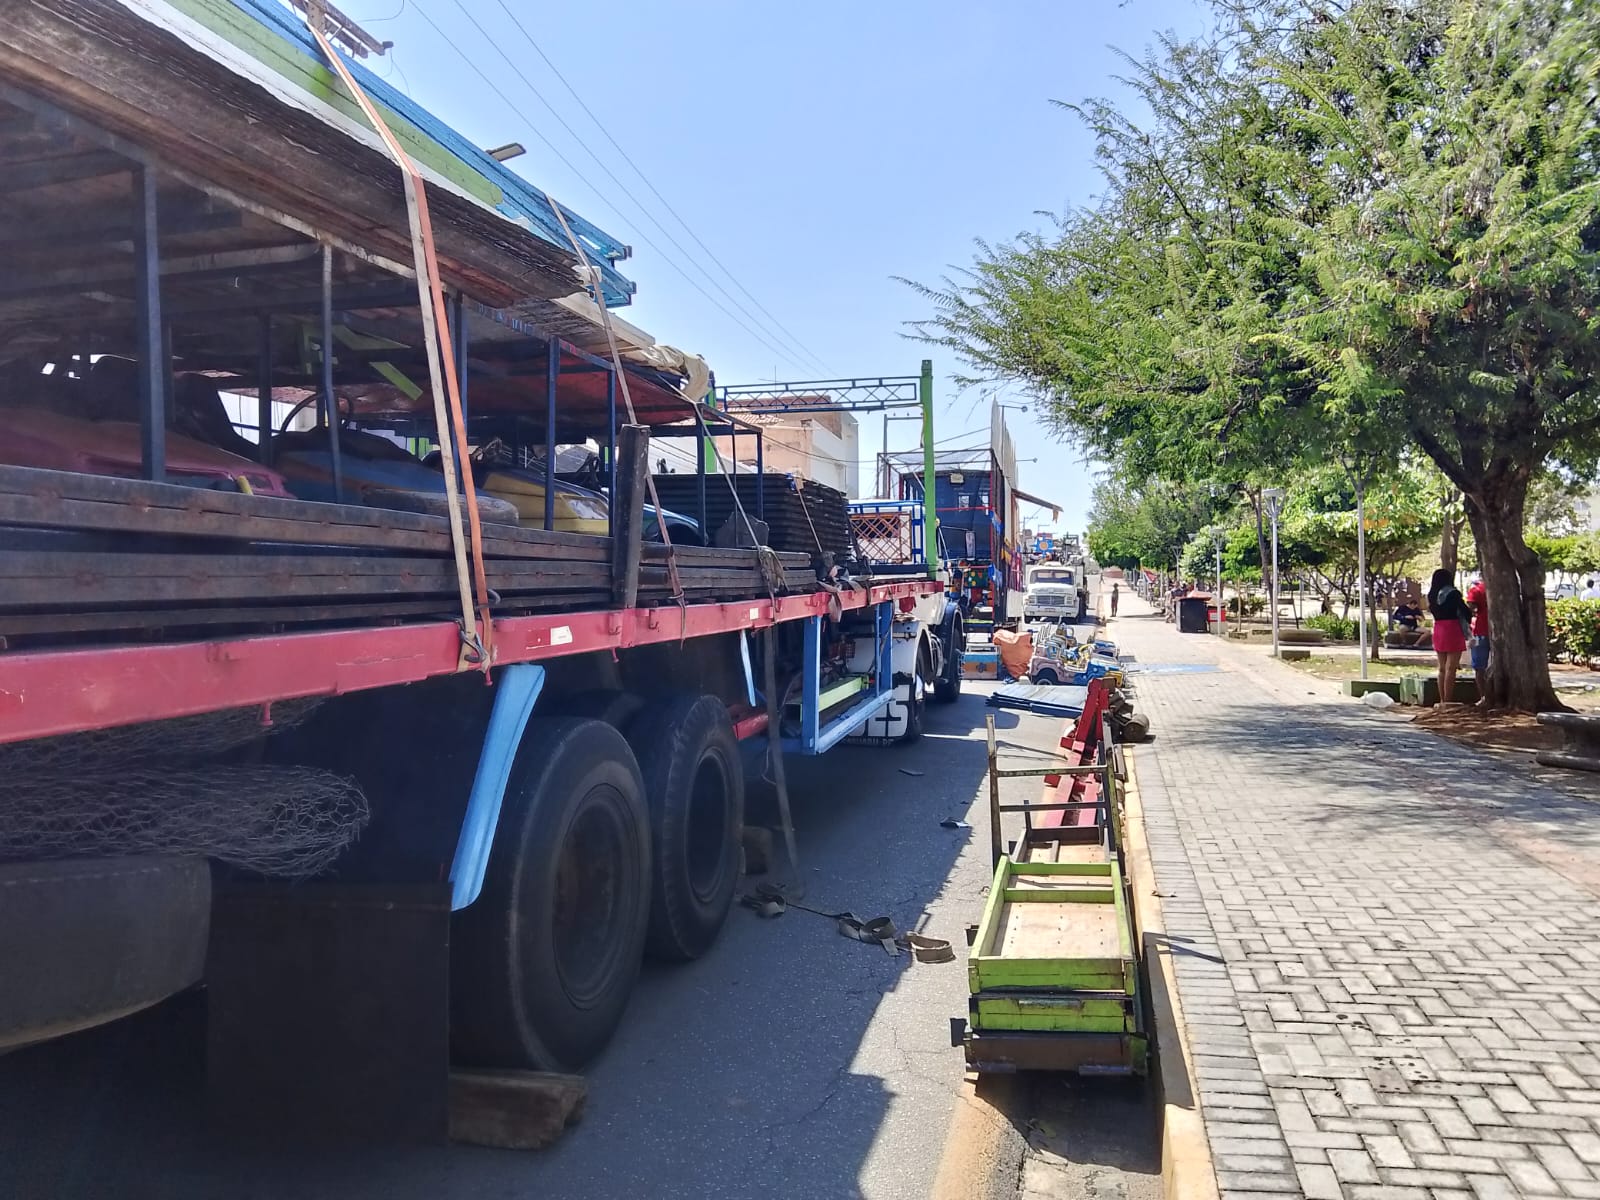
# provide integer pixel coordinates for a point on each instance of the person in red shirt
(1478, 601)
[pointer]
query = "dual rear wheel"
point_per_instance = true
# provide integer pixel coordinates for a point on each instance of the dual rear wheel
(608, 846)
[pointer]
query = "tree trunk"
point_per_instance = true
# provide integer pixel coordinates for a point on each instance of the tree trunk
(1263, 551)
(1519, 670)
(1450, 537)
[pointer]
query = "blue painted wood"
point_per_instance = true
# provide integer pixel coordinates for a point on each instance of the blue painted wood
(525, 203)
(518, 687)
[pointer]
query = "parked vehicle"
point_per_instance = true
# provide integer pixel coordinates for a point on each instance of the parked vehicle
(1055, 590)
(403, 786)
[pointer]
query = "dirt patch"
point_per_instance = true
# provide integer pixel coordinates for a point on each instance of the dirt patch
(1473, 726)
(1340, 667)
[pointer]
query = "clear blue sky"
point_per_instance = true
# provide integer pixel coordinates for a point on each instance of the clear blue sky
(818, 149)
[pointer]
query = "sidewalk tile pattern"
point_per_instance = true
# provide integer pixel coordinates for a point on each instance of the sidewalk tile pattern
(1388, 996)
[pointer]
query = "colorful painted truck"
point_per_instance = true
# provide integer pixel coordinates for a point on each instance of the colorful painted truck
(413, 772)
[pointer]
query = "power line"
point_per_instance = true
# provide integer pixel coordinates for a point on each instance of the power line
(565, 161)
(562, 121)
(665, 203)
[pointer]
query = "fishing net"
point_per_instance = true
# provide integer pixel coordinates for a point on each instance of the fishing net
(182, 739)
(276, 820)
(156, 789)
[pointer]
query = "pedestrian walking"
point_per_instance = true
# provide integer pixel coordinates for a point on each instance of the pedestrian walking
(1114, 588)
(1590, 592)
(1478, 602)
(1451, 620)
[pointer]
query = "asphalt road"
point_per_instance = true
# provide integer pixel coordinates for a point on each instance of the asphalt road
(788, 1062)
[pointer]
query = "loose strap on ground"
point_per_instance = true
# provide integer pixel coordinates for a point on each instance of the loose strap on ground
(768, 901)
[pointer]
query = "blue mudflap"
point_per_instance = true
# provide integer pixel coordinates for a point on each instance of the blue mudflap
(516, 691)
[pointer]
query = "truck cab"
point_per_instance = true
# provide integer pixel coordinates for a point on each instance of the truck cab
(1055, 591)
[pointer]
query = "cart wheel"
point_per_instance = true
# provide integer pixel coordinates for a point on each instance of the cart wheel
(694, 784)
(542, 964)
(1047, 677)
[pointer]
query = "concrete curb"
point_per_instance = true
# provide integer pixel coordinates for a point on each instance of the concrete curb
(1187, 1172)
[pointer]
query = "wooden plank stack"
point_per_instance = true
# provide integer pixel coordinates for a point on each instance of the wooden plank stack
(801, 515)
(93, 554)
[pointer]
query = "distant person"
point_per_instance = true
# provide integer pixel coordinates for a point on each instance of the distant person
(1478, 602)
(1590, 592)
(1114, 588)
(1451, 619)
(1406, 615)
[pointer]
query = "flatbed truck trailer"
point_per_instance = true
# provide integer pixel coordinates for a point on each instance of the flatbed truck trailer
(404, 781)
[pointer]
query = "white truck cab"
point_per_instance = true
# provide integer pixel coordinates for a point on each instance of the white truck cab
(1055, 591)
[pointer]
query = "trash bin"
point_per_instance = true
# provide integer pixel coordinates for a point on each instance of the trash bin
(1192, 614)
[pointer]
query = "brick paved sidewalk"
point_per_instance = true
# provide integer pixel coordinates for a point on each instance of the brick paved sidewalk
(1387, 957)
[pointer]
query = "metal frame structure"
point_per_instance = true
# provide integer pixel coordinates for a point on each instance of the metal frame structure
(60, 691)
(858, 394)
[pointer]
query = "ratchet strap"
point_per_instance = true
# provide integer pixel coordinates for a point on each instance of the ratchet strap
(476, 630)
(592, 276)
(768, 901)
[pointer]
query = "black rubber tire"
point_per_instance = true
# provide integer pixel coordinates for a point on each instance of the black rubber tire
(947, 689)
(917, 706)
(92, 939)
(694, 785)
(543, 962)
(1047, 677)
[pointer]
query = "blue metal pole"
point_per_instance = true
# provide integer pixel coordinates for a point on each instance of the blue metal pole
(611, 452)
(885, 625)
(147, 298)
(700, 470)
(811, 687)
(551, 375)
(330, 403)
(459, 313)
(264, 422)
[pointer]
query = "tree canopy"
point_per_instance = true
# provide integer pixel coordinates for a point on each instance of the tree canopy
(1337, 235)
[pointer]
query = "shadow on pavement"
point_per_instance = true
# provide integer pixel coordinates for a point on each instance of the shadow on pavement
(748, 1073)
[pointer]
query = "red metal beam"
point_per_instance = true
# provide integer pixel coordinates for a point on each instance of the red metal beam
(51, 692)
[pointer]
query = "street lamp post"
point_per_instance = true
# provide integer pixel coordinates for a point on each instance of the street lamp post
(1273, 498)
(1217, 541)
(1361, 567)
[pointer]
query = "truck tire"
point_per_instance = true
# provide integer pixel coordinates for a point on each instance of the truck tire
(1047, 676)
(947, 688)
(694, 783)
(543, 962)
(100, 937)
(917, 702)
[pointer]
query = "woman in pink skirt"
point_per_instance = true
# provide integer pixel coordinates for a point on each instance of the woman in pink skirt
(1451, 618)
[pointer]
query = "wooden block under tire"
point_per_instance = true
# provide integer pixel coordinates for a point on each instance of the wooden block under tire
(514, 1110)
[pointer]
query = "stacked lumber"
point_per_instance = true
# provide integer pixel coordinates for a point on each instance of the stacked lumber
(89, 554)
(802, 516)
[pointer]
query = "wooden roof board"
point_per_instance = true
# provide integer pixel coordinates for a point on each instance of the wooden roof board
(101, 62)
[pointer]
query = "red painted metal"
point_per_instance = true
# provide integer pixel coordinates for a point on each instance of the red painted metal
(46, 693)
(1078, 743)
(749, 727)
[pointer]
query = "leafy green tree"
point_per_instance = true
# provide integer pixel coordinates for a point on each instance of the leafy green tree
(1147, 523)
(1342, 232)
